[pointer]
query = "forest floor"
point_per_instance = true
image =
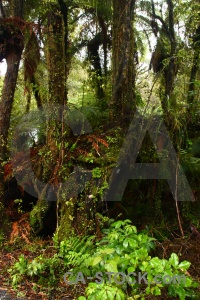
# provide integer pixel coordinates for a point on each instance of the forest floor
(9, 255)
(187, 249)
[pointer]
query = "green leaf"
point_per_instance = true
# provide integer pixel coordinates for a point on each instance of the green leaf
(155, 262)
(156, 291)
(102, 295)
(30, 272)
(117, 224)
(174, 260)
(133, 243)
(188, 282)
(131, 269)
(184, 265)
(110, 295)
(111, 266)
(148, 290)
(107, 251)
(96, 260)
(119, 249)
(120, 295)
(180, 292)
(125, 243)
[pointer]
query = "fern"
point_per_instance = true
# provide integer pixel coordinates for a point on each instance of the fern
(76, 250)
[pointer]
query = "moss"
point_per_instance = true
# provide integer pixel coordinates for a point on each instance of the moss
(37, 215)
(5, 225)
(65, 228)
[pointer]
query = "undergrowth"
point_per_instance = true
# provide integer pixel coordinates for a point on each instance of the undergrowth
(117, 266)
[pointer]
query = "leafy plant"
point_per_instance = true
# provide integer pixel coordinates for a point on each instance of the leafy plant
(96, 173)
(74, 251)
(42, 269)
(103, 291)
(123, 250)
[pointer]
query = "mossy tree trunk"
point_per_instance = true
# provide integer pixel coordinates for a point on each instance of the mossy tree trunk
(195, 68)
(58, 64)
(169, 63)
(123, 67)
(12, 46)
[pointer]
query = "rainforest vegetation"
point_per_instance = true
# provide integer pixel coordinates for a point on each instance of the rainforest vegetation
(99, 149)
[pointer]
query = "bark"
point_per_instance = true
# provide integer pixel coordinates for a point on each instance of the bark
(170, 71)
(31, 62)
(93, 54)
(123, 83)
(66, 46)
(13, 47)
(56, 59)
(104, 28)
(13, 60)
(166, 49)
(194, 71)
(36, 87)
(33, 86)
(58, 63)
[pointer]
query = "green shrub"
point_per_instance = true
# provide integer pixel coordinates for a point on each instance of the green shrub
(110, 263)
(124, 250)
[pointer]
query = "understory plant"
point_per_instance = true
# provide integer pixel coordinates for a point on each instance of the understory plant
(123, 251)
(116, 266)
(45, 271)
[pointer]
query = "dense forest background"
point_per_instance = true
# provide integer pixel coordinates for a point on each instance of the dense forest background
(91, 90)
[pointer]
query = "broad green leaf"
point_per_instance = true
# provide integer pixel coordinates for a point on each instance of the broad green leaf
(119, 249)
(110, 295)
(148, 290)
(107, 251)
(184, 265)
(96, 260)
(120, 295)
(174, 260)
(111, 266)
(117, 224)
(133, 243)
(156, 291)
(155, 262)
(180, 292)
(188, 282)
(125, 243)
(131, 269)
(102, 294)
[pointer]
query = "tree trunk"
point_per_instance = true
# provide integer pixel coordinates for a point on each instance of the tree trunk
(123, 83)
(13, 59)
(58, 62)
(193, 74)
(170, 71)
(56, 59)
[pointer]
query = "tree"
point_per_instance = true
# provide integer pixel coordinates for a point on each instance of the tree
(193, 27)
(122, 103)
(31, 62)
(165, 61)
(12, 44)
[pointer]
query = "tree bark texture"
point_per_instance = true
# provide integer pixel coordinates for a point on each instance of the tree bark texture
(13, 45)
(194, 71)
(123, 49)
